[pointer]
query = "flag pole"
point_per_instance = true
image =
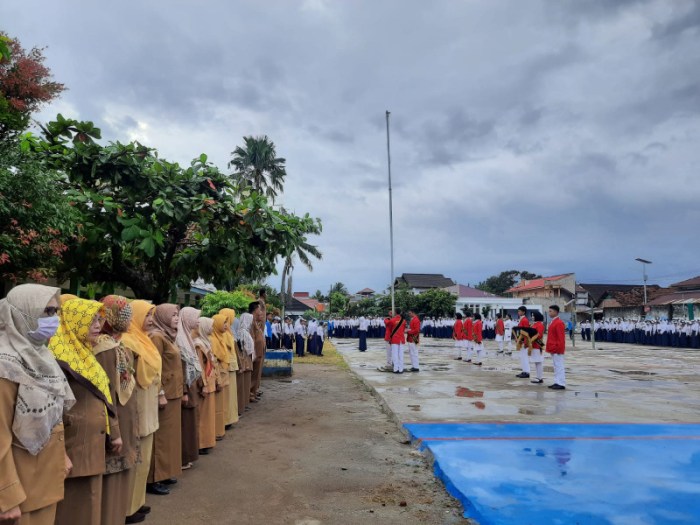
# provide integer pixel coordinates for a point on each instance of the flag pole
(391, 211)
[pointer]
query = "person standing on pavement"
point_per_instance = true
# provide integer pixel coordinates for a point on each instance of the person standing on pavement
(524, 357)
(389, 367)
(478, 338)
(556, 345)
(397, 339)
(500, 332)
(537, 357)
(458, 335)
(413, 340)
(363, 326)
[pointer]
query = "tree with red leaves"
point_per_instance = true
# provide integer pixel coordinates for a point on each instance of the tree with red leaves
(25, 84)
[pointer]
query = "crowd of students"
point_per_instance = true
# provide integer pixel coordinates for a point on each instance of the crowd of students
(675, 333)
(104, 401)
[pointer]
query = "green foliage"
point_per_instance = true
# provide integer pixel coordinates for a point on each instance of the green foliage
(239, 300)
(313, 314)
(368, 306)
(272, 298)
(339, 288)
(257, 166)
(498, 284)
(433, 303)
(36, 221)
(338, 304)
(152, 225)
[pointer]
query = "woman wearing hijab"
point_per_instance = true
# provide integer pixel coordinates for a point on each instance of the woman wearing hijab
(191, 372)
(118, 363)
(87, 429)
(231, 416)
(148, 371)
(207, 385)
(167, 445)
(219, 345)
(248, 353)
(34, 393)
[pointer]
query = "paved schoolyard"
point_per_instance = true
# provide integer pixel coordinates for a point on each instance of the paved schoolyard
(618, 446)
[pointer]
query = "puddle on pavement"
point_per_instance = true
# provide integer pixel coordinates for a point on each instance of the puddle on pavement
(414, 408)
(292, 381)
(632, 372)
(440, 368)
(462, 391)
(479, 404)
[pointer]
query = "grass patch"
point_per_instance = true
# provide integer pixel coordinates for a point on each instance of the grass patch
(331, 356)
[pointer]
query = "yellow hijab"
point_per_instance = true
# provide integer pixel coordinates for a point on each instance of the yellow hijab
(230, 314)
(72, 350)
(219, 343)
(68, 297)
(136, 339)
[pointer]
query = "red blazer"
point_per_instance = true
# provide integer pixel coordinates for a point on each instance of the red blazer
(556, 339)
(468, 329)
(400, 335)
(477, 330)
(500, 327)
(414, 326)
(537, 325)
(458, 330)
(387, 330)
(524, 322)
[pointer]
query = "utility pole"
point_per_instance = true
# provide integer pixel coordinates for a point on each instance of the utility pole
(391, 211)
(644, 277)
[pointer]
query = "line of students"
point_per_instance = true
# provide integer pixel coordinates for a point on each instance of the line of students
(101, 402)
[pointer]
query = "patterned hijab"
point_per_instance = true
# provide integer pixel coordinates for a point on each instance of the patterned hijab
(189, 321)
(244, 335)
(118, 314)
(43, 394)
(205, 330)
(162, 319)
(73, 351)
(219, 342)
(149, 365)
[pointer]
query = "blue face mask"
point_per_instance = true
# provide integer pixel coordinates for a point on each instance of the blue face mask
(46, 329)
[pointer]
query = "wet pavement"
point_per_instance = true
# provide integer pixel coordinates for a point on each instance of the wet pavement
(620, 446)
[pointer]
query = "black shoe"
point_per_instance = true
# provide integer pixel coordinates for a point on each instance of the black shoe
(458, 358)
(523, 375)
(537, 381)
(467, 360)
(557, 387)
(398, 371)
(414, 370)
(478, 364)
(157, 489)
(229, 427)
(203, 452)
(144, 510)
(136, 517)
(169, 481)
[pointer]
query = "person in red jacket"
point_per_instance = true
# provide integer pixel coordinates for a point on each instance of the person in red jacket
(413, 340)
(537, 357)
(500, 332)
(478, 334)
(469, 335)
(556, 345)
(387, 336)
(397, 338)
(524, 358)
(458, 335)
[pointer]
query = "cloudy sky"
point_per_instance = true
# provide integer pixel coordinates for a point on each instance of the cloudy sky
(549, 136)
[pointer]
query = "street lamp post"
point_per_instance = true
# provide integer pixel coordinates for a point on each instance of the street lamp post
(644, 276)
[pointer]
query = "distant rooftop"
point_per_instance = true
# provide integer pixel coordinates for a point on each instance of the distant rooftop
(535, 284)
(425, 280)
(467, 291)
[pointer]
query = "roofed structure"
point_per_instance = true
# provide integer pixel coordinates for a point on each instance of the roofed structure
(420, 282)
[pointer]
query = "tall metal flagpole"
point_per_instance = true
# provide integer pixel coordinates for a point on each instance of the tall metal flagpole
(391, 211)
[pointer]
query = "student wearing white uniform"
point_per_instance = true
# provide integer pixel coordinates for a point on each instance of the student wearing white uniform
(508, 336)
(363, 326)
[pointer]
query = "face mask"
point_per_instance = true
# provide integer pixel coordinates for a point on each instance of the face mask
(46, 329)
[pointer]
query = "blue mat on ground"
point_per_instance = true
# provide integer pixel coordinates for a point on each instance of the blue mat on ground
(569, 474)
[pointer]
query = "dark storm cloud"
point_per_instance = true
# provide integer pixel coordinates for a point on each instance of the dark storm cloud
(571, 122)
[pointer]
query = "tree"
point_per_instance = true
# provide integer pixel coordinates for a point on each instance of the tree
(319, 296)
(258, 167)
(36, 221)
(338, 303)
(498, 284)
(339, 288)
(303, 252)
(435, 303)
(25, 85)
(238, 300)
(364, 307)
(153, 225)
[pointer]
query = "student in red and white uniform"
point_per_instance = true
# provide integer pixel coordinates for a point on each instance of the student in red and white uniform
(537, 356)
(500, 332)
(458, 335)
(387, 336)
(413, 340)
(469, 335)
(524, 358)
(478, 335)
(556, 345)
(397, 340)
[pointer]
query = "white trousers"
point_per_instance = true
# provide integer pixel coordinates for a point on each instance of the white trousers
(470, 349)
(500, 346)
(559, 371)
(388, 354)
(413, 352)
(459, 346)
(509, 340)
(397, 357)
(524, 360)
(479, 351)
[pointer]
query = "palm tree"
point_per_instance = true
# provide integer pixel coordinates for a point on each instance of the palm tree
(303, 252)
(340, 288)
(257, 166)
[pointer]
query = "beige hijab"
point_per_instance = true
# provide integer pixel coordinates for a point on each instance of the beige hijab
(43, 394)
